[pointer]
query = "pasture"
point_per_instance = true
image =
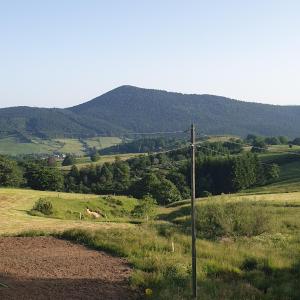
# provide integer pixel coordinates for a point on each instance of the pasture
(12, 145)
(15, 205)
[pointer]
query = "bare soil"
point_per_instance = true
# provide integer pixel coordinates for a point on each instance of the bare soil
(49, 268)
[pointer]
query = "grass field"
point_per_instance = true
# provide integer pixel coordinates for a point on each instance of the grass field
(12, 146)
(73, 146)
(263, 266)
(86, 161)
(221, 138)
(103, 142)
(289, 179)
(15, 205)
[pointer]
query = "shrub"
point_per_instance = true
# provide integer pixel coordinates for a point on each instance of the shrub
(249, 264)
(178, 274)
(43, 206)
(69, 160)
(95, 157)
(231, 219)
(145, 208)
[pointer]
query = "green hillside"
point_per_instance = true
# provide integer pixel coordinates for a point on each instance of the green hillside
(289, 179)
(130, 109)
(14, 145)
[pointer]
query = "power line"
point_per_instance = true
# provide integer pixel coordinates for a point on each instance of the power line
(157, 132)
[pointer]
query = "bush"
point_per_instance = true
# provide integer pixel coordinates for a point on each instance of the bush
(145, 208)
(231, 219)
(95, 157)
(69, 160)
(43, 206)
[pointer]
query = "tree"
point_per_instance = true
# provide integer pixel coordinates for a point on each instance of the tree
(296, 141)
(272, 172)
(145, 208)
(165, 192)
(104, 179)
(10, 173)
(283, 140)
(259, 146)
(69, 160)
(145, 186)
(272, 140)
(251, 138)
(235, 146)
(180, 182)
(94, 154)
(72, 180)
(40, 177)
(51, 161)
(95, 157)
(121, 176)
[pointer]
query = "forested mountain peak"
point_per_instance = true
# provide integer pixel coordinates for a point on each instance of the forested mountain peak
(133, 109)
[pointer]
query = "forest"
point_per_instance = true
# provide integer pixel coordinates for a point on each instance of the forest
(222, 167)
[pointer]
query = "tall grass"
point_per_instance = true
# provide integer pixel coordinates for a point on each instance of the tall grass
(216, 220)
(247, 268)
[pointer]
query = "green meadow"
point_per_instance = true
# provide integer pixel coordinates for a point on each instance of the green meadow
(12, 145)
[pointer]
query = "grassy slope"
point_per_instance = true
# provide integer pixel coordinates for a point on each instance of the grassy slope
(110, 208)
(103, 142)
(289, 180)
(12, 146)
(15, 204)
(73, 146)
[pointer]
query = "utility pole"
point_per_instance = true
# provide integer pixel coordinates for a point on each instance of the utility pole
(193, 197)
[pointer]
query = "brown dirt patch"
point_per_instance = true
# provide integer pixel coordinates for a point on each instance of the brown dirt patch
(49, 268)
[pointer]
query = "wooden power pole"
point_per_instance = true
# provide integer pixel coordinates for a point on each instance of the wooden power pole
(193, 197)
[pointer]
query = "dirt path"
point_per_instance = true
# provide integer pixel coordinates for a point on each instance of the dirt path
(48, 268)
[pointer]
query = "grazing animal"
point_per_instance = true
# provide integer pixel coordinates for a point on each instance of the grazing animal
(93, 213)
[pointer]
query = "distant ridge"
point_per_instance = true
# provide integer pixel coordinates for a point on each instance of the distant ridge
(132, 109)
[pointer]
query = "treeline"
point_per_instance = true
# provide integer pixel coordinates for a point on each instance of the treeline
(218, 175)
(164, 176)
(167, 179)
(268, 140)
(35, 174)
(260, 143)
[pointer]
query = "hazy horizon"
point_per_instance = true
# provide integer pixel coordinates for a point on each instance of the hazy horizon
(63, 53)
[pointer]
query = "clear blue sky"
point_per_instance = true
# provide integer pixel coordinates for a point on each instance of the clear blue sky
(61, 53)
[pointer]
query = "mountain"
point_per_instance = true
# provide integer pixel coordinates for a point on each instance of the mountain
(30, 122)
(137, 109)
(131, 109)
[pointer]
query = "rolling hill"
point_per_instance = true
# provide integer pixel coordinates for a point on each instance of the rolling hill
(131, 109)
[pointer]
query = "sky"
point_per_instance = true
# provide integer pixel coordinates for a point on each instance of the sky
(60, 53)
